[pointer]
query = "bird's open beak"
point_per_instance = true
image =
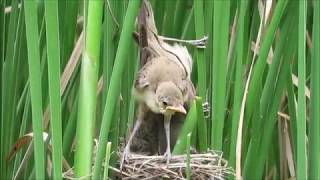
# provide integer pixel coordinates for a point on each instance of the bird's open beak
(179, 109)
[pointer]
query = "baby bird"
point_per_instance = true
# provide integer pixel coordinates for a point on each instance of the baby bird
(163, 84)
(162, 87)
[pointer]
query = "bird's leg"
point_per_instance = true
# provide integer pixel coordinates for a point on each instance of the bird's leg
(137, 124)
(135, 129)
(167, 119)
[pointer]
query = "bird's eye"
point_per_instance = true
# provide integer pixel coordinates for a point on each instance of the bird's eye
(165, 103)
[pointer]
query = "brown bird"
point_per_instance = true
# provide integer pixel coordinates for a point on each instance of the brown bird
(162, 87)
(163, 84)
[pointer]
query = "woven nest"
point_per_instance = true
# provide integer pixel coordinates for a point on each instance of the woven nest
(203, 166)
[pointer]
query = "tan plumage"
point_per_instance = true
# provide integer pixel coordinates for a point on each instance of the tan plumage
(159, 72)
(162, 86)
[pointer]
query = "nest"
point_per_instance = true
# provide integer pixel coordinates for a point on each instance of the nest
(203, 166)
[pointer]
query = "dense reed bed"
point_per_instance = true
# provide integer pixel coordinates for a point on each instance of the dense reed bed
(67, 69)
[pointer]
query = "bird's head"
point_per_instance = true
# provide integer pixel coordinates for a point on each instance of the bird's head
(169, 98)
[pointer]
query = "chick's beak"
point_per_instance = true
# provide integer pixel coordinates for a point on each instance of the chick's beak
(178, 108)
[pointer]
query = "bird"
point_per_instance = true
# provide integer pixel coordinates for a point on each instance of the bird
(162, 86)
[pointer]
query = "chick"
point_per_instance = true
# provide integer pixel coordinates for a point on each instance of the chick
(163, 84)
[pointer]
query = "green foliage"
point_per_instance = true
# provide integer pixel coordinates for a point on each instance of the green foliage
(35, 85)
(87, 90)
(220, 40)
(259, 74)
(53, 53)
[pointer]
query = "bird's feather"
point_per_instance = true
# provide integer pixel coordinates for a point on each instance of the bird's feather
(159, 62)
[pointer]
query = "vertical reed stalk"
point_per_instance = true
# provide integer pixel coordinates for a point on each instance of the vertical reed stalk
(301, 120)
(221, 14)
(87, 91)
(35, 84)
(53, 52)
(114, 87)
(238, 89)
(314, 144)
(201, 65)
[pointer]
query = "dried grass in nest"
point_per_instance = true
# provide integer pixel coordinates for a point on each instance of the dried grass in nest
(203, 166)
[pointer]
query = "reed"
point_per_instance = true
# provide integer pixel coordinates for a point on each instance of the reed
(258, 75)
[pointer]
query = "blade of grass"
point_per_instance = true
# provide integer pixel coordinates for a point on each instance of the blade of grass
(2, 38)
(14, 64)
(238, 89)
(221, 13)
(208, 15)
(249, 63)
(260, 142)
(87, 91)
(168, 28)
(292, 113)
(269, 127)
(26, 163)
(261, 61)
(8, 87)
(201, 64)
(114, 87)
(188, 168)
(53, 52)
(71, 70)
(127, 83)
(180, 11)
(70, 129)
(314, 146)
(109, 49)
(23, 128)
(114, 133)
(269, 86)
(189, 22)
(254, 92)
(20, 54)
(132, 104)
(68, 29)
(2, 47)
(231, 63)
(106, 163)
(120, 115)
(124, 100)
(31, 21)
(301, 114)
(202, 128)
(268, 93)
(158, 14)
(187, 127)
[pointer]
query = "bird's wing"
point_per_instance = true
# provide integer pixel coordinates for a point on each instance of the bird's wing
(145, 74)
(187, 89)
(141, 80)
(181, 57)
(151, 46)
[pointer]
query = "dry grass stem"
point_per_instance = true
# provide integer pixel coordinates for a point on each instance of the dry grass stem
(203, 166)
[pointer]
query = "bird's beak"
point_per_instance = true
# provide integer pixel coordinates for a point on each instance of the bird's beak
(179, 109)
